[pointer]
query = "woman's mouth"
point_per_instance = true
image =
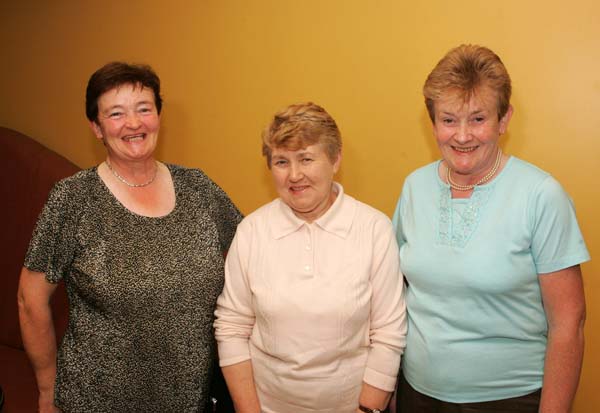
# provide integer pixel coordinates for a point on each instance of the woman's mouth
(298, 188)
(464, 150)
(134, 138)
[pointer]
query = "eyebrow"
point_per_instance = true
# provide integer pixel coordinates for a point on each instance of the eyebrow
(305, 152)
(119, 106)
(475, 112)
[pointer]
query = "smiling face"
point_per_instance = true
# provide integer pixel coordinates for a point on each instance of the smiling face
(304, 179)
(467, 133)
(128, 123)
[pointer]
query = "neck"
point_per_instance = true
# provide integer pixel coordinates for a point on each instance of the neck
(318, 212)
(484, 179)
(134, 175)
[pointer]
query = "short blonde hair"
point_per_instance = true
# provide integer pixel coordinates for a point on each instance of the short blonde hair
(300, 125)
(465, 69)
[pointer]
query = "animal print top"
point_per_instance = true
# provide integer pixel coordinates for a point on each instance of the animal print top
(141, 290)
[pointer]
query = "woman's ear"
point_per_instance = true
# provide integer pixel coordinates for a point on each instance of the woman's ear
(96, 129)
(337, 163)
(506, 119)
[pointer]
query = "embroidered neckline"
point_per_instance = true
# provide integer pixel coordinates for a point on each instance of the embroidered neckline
(457, 225)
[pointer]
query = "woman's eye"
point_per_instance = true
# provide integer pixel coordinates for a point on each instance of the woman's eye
(115, 115)
(145, 110)
(280, 162)
(478, 119)
(306, 160)
(447, 121)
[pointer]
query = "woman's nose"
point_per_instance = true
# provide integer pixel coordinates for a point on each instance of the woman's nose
(133, 121)
(296, 173)
(463, 134)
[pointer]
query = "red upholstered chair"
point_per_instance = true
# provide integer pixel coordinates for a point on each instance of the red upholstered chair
(28, 171)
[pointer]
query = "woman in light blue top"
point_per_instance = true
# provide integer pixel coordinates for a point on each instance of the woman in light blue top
(490, 247)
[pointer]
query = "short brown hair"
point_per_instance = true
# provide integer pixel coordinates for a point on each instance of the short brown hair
(301, 125)
(464, 69)
(115, 74)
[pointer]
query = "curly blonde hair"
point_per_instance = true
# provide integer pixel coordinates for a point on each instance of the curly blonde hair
(300, 125)
(465, 69)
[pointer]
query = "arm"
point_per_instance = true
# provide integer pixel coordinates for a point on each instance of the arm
(372, 397)
(233, 326)
(240, 381)
(564, 304)
(387, 320)
(225, 214)
(37, 329)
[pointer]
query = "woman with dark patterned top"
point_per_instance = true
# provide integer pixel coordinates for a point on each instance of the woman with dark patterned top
(140, 246)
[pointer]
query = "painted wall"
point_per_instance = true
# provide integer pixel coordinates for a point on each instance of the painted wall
(228, 65)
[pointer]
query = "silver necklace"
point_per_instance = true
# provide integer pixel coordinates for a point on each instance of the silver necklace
(120, 178)
(483, 180)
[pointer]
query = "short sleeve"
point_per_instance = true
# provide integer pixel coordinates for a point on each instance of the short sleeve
(556, 242)
(53, 243)
(225, 214)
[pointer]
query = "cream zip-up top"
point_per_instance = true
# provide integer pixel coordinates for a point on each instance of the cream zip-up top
(318, 308)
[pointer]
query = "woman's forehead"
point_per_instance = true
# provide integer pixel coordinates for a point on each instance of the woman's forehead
(482, 98)
(308, 149)
(126, 92)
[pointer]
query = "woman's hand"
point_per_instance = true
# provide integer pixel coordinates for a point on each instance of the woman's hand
(373, 397)
(240, 381)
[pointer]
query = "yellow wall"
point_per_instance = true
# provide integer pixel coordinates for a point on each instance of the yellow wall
(227, 65)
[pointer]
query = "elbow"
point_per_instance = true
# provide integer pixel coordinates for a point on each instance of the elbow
(30, 298)
(578, 319)
(22, 302)
(581, 324)
(582, 318)
(569, 328)
(25, 307)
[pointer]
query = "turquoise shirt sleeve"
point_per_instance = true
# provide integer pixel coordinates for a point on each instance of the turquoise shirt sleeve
(556, 241)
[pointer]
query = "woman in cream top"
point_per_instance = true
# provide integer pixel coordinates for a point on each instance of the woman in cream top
(312, 316)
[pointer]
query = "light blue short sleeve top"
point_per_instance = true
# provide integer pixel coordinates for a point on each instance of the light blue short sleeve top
(477, 329)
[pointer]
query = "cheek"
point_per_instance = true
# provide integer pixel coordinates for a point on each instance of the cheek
(278, 178)
(153, 124)
(490, 134)
(441, 135)
(110, 129)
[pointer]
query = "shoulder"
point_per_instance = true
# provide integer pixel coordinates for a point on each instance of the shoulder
(195, 180)
(532, 180)
(423, 174)
(81, 178)
(525, 172)
(364, 210)
(261, 217)
(536, 193)
(365, 215)
(189, 175)
(421, 185)
(75, 187)
(421, 180)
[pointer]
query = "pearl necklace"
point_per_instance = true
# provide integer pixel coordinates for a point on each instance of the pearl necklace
(483, 180)
(120, 178)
